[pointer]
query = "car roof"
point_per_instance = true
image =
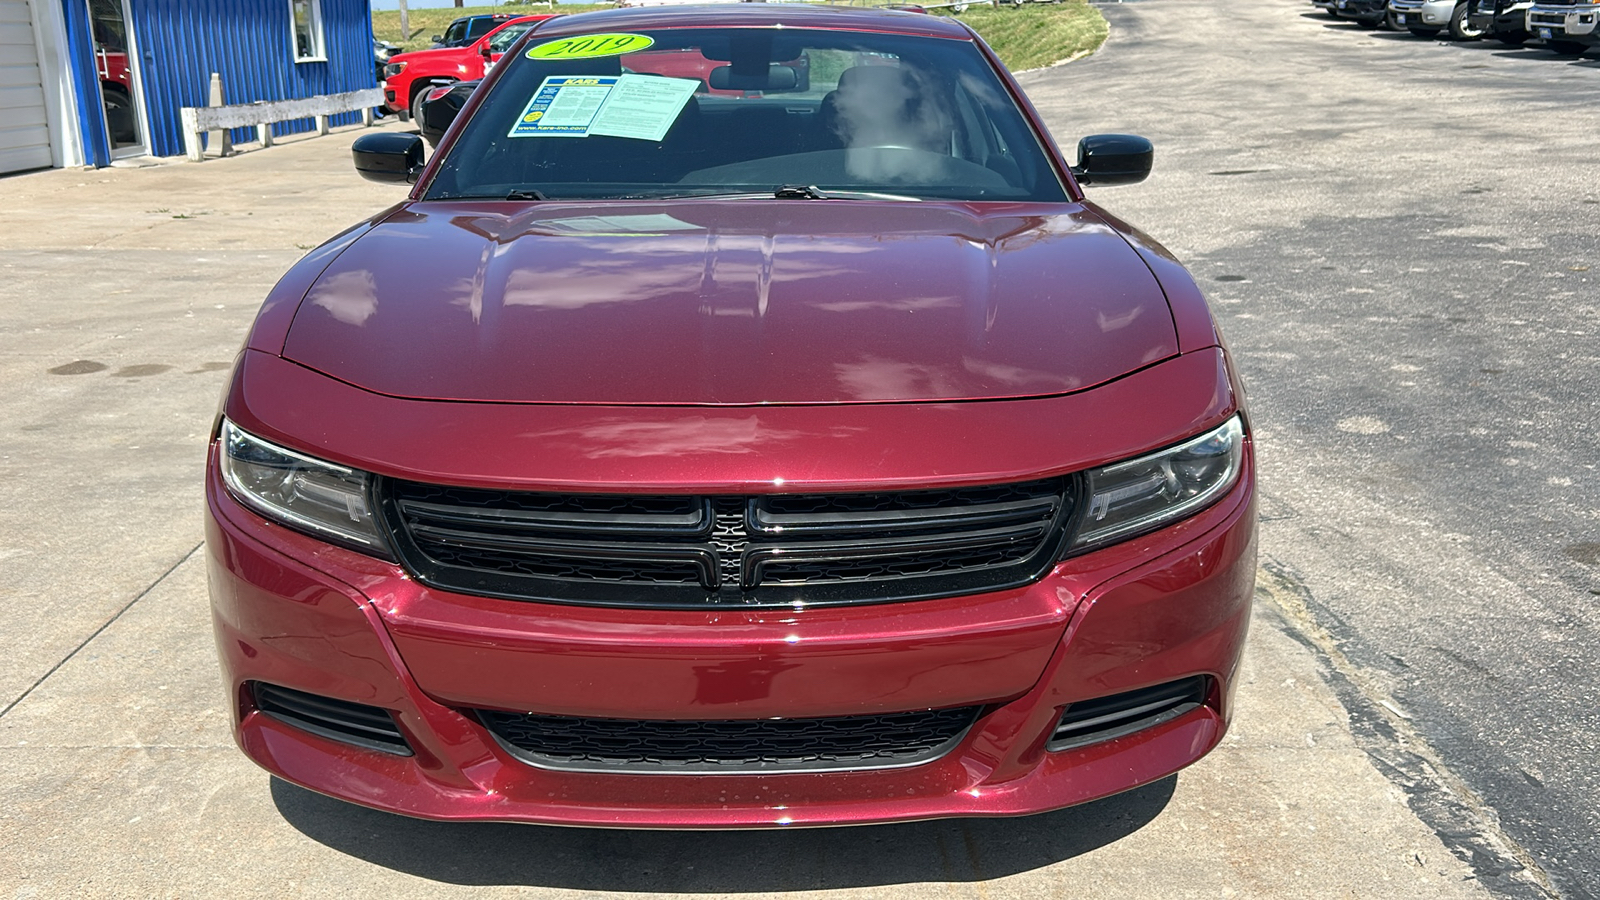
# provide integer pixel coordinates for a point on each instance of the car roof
(756, 15)
(533, 17)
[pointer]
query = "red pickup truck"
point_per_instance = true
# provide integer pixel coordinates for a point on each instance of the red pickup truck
(408, 76)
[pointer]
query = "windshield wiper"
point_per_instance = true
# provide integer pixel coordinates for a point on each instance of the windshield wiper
(526, 194)
(812, 192)
(782, 192)
(799, 192)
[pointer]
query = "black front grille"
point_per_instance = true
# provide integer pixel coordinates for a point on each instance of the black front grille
(734, 747)
(339, 720)
(695, 551)
(1092, 721)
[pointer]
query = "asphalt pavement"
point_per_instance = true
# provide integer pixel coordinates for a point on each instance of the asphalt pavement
(1396, 236)
(1400, 238)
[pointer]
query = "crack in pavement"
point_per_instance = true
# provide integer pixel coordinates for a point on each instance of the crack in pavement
(103, 626)
(1467, 826)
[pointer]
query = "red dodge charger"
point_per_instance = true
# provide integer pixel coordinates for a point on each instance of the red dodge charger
(754, 448)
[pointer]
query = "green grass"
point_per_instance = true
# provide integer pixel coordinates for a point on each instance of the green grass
(1026, 37)
(1038, 34)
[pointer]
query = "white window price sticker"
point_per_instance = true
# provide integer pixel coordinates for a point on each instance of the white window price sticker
(643, 106)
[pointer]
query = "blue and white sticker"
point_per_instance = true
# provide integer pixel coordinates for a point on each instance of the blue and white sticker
(563, 106)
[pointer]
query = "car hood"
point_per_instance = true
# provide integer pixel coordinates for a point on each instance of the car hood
(733, 302)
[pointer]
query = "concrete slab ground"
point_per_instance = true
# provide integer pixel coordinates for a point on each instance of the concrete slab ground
(124, 295)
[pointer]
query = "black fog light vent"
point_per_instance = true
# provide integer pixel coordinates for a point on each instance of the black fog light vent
(1092, 721)
(337, 720)
(842, 743)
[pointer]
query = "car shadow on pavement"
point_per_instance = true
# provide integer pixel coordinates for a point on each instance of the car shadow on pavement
(1519, 51)
(952, 850)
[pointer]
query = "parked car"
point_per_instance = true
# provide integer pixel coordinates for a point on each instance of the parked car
(1565, 28)
(677, 459)
(1503, 20)
(382, 52)
(440, 106)
(468, 29)
(1426, 18)
(408, 76)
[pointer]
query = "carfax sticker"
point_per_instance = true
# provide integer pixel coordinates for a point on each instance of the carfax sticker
(592, 46)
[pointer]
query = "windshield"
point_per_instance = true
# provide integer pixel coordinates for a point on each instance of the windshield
(505, 37)
(696, 112)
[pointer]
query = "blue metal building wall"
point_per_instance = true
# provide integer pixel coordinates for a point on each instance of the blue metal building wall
(181, 42)
(86, 84)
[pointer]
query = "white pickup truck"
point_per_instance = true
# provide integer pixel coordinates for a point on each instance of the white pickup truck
(1567, 28)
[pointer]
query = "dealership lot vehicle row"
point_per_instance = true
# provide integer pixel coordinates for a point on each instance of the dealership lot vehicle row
(1564, 27)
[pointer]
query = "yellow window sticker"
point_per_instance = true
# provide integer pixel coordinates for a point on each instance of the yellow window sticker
(591, 46)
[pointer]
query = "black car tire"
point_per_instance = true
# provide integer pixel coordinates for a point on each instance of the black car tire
(1461, 27)
(1567, 48)
(1424, 32)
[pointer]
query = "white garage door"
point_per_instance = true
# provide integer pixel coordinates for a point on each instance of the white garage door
(24, 133)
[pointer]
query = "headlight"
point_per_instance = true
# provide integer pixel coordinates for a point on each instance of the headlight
(393, 69)
(330, 502)
(1141, 494)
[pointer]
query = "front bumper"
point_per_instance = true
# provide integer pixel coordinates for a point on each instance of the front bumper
(1106, 622)
(1434, 13)
(1565, 23)
(1406, 15)
(301, 614)
(1362, 9)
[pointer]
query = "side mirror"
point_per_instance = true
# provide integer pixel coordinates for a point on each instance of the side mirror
(437, 39)
(484, 51)
(389, 157)
(1113, 159)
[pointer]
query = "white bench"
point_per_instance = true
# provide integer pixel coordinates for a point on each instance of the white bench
(199, 119)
